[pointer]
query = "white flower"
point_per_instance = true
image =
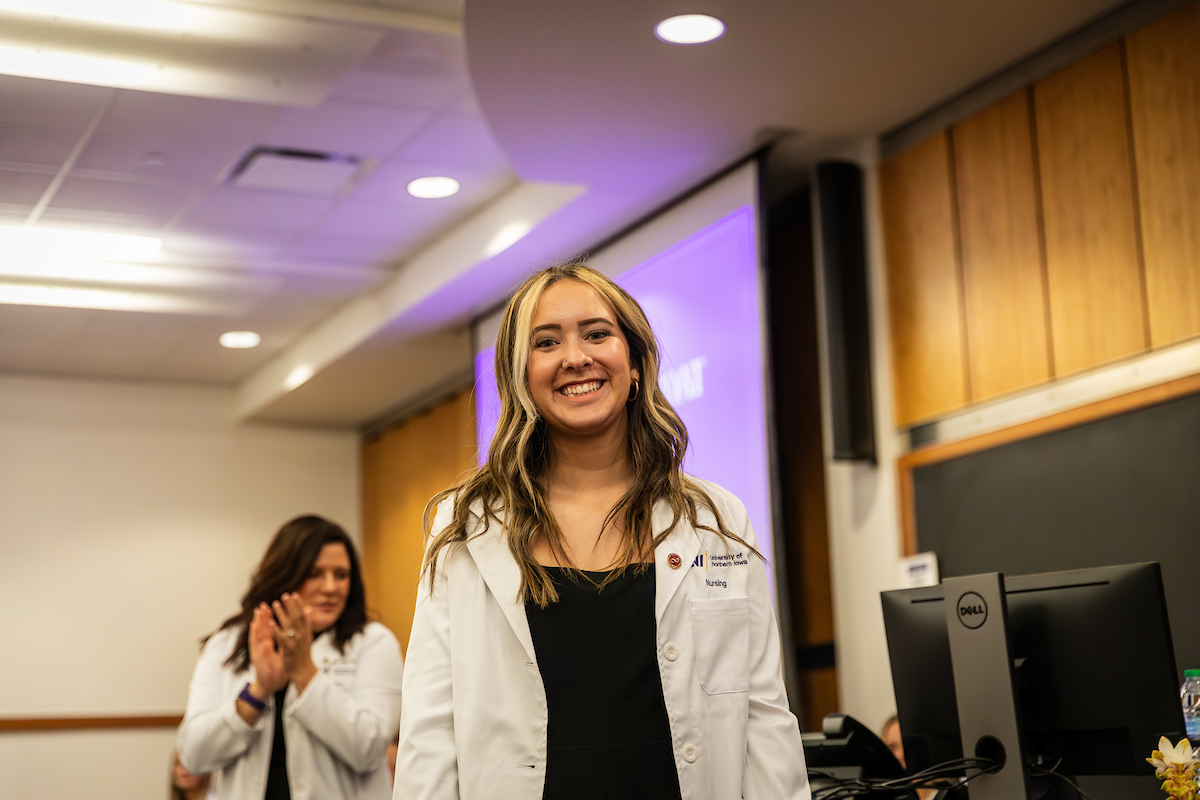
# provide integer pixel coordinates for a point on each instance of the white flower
(1178, 757)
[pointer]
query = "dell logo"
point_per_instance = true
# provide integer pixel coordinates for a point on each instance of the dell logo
(972, 610)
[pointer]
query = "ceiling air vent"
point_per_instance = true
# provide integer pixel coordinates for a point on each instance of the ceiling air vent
(284, 169)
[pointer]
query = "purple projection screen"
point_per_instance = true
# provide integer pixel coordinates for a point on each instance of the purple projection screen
(702, 297)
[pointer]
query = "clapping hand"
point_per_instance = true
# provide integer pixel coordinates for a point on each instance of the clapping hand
(294, 637)
(269, 670)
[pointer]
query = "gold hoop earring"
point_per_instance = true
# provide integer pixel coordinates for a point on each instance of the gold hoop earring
(637, 387)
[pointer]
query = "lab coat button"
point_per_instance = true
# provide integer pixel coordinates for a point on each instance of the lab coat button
(300, 787)
(670, 651)
(690, 752)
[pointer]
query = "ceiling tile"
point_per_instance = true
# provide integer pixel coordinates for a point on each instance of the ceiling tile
(410, 69)
(418, 55)
(37, 339)
(227, 242)
(49, 103)
(22, 188)
(397, 91)
(100, 220)
(200, 138)
(455, 139)
(344, 128)
(36, 144)
(345, 249)
(381, 223)
(239, 209)
(153, 201)
(128, 344)
(448, 8)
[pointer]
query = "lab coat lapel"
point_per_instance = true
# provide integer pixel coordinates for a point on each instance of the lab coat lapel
(503, 578)
(683, 542)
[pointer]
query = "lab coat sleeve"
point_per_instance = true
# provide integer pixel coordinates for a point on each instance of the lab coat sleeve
(212, 734)
(356, 724)
(427, 759)
(774, 754)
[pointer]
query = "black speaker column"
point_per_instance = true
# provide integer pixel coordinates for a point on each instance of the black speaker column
(843, 266)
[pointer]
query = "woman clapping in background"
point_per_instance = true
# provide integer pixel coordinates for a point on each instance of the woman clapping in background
(298, 694)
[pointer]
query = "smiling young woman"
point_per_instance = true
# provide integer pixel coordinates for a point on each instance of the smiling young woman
(566, 642)
(298, 688)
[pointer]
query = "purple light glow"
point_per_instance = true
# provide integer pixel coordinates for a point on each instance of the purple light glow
(702, 298)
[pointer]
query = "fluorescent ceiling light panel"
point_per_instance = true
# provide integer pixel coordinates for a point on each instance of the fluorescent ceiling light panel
(164, 16)
(314, 173)
(433, 187)
(690, 29)
(26, 294)
(179, 48)
(77, 244)
(105, 272)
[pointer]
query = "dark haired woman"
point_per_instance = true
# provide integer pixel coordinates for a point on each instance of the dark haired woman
(297, 695)
(591, 623)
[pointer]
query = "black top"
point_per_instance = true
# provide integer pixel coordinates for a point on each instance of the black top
(277, 778)
(608, 735)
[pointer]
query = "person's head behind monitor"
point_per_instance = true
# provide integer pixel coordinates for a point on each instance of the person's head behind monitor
(891, 737)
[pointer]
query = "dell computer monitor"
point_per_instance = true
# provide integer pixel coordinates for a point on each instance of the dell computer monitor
(1093, 664)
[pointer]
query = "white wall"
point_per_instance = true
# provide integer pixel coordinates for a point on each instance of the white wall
(133, 515)
(864, 531)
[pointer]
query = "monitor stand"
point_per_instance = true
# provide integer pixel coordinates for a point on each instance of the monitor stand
(984, 683)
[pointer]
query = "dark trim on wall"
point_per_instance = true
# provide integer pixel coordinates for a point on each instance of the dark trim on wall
(1084, 41)
(34, 724)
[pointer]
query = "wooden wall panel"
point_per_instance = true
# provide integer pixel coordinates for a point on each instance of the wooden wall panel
(1092, 254)
(1002, 265)
(401, 470)
(1164, 93)
(924, 290)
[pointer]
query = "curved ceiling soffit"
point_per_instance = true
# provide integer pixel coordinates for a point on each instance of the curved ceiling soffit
(582, 92)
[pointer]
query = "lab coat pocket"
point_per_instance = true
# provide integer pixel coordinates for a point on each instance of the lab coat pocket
(721, 630)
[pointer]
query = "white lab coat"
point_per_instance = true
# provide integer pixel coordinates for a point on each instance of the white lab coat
(336, 732)
(473, 725)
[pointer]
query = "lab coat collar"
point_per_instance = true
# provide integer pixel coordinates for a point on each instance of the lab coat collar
(503, 578)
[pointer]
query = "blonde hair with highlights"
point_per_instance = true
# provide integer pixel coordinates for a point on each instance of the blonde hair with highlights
(510, 489)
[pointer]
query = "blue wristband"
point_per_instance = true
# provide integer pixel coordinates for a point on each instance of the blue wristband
(251, 700)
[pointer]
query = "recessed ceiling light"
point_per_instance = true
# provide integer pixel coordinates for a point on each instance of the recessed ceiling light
(690, 29)
(433, 187)
(240, 340)
(77, 244)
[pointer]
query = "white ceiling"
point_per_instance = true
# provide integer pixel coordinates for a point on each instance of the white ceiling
(590, 123)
